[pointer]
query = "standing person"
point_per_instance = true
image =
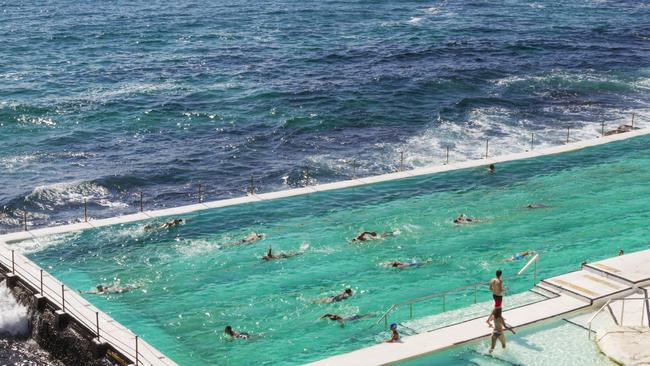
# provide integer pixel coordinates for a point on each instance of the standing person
(496, 286)
(499, 328)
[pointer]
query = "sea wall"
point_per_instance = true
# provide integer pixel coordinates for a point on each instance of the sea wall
(57, 334)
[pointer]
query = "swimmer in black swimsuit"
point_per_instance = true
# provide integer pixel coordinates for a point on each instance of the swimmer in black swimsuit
(536, 205)
(236, 335)
(342, 296)
(341, 319)
(372, 235)
(270, 256)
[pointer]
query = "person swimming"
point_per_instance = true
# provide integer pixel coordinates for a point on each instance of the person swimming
(112, 288)
(517, 257)
(249, 239)
(166, 225)
(340, 297)
(492, 168)
(536, 205)
(236, 335)
(372, 235)
(412, 263)
(341, 319)
(462, 219)
(270, 256)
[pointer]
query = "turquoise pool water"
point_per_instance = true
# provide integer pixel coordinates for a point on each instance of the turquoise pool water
(190, 286)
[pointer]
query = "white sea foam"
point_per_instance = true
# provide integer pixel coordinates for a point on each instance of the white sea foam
(41, 243)
(61, 194)
(13, 316)
(415, 20)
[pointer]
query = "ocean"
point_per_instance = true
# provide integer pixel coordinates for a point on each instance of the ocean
(104, 101)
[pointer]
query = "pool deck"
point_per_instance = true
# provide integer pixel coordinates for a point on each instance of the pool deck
(578, 291)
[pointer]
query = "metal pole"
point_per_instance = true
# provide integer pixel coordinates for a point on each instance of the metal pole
(567, 135)
(354, 168)
(306, 176)
(447, 155)
(401, 161)
(632, 121)
(141, 202)
(532, 139)
(63, 297)
(602, 128)
(535, 273)
(200, 192)
(85, 210)
(41, 281)
(487, 142)
(251, 186)
(25, 220)
(411, 311)
(13, 269)
(622, 311)
(97, 322)
(136, 351)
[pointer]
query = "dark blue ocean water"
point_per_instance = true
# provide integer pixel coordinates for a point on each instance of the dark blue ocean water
(106, 99)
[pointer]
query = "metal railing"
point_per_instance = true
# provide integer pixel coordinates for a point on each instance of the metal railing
(200, 193)
(645, 311)
(443, 294)
(85, 317)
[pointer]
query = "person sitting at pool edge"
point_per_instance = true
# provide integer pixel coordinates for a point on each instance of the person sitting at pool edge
(496, 286)
(238, 335)
(342, 296)
(394, 336)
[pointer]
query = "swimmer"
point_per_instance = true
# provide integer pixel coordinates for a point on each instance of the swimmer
(394, 335)
(372, 235)
(165, 225)
(462, 219)
(536, 205)
(492, 168)
(236, 335)
(109, 289)
(249, 239)
(412, 263)
(270, 256)
(517, 257)
(342, 296)
(620, 252)
(172, 223)
(341, 319)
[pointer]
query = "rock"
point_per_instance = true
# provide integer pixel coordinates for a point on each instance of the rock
(625, 345)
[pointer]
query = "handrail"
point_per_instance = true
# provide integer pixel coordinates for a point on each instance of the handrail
(19, 268)
(443, 293)
(622, 300)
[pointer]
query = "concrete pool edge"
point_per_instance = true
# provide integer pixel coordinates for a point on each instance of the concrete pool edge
(355, 182)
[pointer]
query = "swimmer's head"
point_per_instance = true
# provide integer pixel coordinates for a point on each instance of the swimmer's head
(100, 288)
(228, 330)
(499, 273)
(393, 326)
(348, 291)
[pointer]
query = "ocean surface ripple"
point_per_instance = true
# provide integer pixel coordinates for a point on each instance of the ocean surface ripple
(103, 101)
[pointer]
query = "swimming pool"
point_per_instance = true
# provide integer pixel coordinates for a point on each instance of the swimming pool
(190, 286)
